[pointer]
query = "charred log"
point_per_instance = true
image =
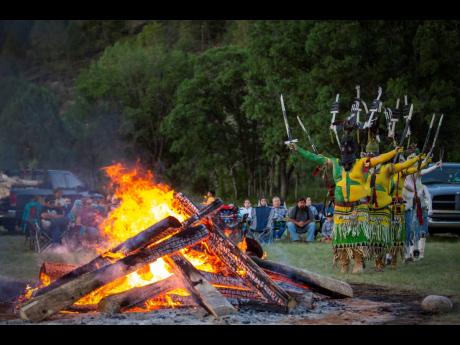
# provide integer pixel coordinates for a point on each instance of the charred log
(204, 293)
(114, 303)
(322, 284)
(243, 266)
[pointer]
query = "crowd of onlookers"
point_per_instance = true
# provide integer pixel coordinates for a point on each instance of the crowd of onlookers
(58, 216)
(271, 222)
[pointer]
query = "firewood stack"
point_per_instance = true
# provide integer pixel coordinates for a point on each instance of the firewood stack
(240, 280)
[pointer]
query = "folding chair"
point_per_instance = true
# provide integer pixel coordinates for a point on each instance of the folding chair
(259, 230)
(35, 237)
(39, 240)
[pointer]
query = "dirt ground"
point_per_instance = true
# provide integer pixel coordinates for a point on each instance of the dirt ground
(371, 305)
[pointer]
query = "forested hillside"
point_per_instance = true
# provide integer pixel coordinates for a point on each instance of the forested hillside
(198, 101)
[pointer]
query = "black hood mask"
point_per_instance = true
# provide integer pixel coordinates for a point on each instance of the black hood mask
(348, 149)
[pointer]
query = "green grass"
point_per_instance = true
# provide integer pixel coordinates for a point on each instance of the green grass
(438, 273)
(19, 262)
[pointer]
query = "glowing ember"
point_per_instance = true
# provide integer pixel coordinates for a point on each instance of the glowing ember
(149, 274)
(243, 245)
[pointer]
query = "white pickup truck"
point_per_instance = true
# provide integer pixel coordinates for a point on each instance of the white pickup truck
(443, 187)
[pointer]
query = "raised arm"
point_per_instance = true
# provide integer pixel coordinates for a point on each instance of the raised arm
(430, 169)
(320, 159)
(385, 157)
(405, 165)
(413, 169)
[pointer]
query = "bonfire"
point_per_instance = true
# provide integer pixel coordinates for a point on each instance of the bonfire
(159, 250)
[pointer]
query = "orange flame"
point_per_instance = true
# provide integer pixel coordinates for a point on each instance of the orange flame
(142, 203)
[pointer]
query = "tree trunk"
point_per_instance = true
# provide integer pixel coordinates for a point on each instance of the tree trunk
(272, 175)
(283, 179)
(296, 185)
(249, 181)
(235, 187)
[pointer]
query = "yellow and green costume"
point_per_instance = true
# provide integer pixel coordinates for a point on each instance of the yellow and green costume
(381, 236)
(351, 220)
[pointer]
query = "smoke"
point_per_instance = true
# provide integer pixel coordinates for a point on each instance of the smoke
(64, 254)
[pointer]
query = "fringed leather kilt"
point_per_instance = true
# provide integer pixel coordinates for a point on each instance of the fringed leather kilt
(397, 229)
(380, 234)
(350, 231)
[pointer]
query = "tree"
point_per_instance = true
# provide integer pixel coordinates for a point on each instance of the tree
(210, 133)
(138, 81)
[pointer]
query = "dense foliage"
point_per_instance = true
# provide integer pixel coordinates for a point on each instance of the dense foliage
(198, 101)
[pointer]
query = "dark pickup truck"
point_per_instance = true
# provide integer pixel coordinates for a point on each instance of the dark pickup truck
(12, 207)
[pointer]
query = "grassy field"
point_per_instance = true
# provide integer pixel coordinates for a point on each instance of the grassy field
(438, 273)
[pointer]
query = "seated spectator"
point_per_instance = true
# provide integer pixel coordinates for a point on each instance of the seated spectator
(32, 211)
(326, 229)
(210, 197)
(276, 219)
(54, 218)
(58, 203)
(262, 202)
(312, 208)
(87, 220)
(246, 209)
(300, 221)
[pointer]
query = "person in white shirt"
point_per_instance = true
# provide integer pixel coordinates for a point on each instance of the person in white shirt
(246, 209)
(416, 223)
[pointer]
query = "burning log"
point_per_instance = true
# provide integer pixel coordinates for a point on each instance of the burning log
(244, 267)
(133, 297)
(325, 285)
(164, 300)
(155, 232)
(51, 271)
(65, 295)
(236, 293)
(203, 292)
(161, 230)
(219, 279)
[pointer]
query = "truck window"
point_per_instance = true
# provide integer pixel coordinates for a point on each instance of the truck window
(72, 181)
(58, 180)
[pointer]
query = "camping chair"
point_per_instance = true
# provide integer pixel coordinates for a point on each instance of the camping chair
(35, 237)
(259, 230)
